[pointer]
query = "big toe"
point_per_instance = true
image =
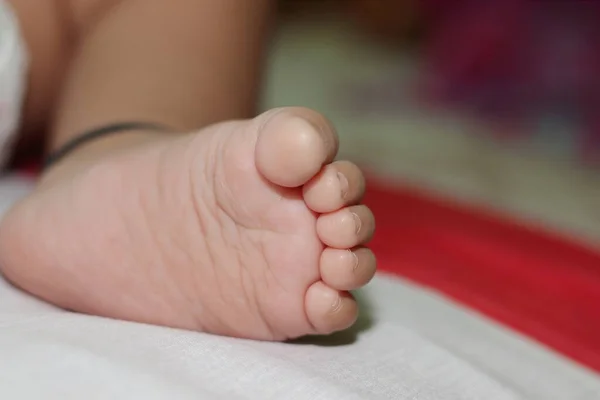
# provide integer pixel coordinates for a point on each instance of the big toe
(293, 145)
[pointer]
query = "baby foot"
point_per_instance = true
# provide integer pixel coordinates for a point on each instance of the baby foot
(247, 229)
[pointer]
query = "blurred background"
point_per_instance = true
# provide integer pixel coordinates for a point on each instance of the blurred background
(493, 104)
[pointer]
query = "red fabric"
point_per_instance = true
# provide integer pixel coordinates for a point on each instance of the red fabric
(539, 284)
(28, 165)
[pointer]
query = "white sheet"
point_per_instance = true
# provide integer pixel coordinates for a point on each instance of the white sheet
(13, 75)
(410, 345)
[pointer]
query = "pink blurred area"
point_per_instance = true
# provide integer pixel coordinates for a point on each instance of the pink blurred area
(529, 65)
(517, 59)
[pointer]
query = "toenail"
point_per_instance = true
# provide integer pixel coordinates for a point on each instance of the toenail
(337, 304)
(355, 266)
(357, 223)
(343, 185)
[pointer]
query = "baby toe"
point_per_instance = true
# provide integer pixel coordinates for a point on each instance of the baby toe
(347, 269)
(329, 310)
(346, 228)
(337, 185)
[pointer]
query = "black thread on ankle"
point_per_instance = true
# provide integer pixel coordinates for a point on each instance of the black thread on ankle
(97, 133)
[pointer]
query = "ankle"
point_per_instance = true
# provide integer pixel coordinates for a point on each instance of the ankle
(94, 151)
